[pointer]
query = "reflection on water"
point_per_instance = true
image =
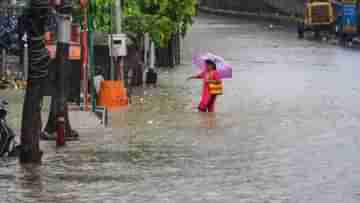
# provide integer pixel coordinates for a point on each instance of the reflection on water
(208, 120)
(29, 182)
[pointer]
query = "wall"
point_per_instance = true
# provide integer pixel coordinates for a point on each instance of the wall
(288, 6)
(285, 6)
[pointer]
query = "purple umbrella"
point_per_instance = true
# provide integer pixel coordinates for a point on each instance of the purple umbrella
(224, 69)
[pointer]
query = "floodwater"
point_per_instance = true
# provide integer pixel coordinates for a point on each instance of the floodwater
(286, 131)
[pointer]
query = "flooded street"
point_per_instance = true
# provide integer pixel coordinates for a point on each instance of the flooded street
(285, 131)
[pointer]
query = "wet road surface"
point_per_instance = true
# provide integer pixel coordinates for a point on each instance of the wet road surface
(286, 131)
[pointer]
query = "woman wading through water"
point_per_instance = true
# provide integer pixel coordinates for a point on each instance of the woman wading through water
(212, 86)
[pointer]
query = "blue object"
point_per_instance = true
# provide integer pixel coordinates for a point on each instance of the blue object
(348, 17)
(8, 31)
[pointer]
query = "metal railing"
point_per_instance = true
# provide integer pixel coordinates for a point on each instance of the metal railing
(9, 62)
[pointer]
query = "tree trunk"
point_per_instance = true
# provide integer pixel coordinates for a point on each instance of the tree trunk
(50, 127)
(178, 49)
(39, 61)
(31, 124)
(171, 52)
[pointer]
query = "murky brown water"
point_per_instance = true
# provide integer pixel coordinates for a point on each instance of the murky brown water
(286, 130)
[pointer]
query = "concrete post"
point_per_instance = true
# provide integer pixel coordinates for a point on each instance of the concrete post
(146, 49)
(26, 58)
(152, 55)
(118, 16)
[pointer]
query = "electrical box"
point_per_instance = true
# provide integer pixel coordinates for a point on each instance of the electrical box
(117, 45)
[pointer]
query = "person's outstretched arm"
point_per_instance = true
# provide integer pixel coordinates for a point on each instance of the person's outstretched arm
(199, 76)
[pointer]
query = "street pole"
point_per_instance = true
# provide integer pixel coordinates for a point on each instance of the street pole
(26, 58)
(85, 56)
(118, 22)
(152, 55)
(112, 61)
(146, 49)
(64, 27)
(91, 53)
(118, 16)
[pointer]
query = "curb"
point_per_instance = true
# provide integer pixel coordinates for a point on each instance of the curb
(262, 16)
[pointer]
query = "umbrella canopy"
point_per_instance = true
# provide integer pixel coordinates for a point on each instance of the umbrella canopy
(223, 68)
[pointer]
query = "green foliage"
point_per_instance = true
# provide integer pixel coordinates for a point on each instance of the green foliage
(160, 18)
(102, 10)
(103, 16)
(77, 13)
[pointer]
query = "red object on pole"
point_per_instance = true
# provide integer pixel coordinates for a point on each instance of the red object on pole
(83, 3)
(84, 64)
(75, 33)
(84, 53)
(54, 2)
(60, 129)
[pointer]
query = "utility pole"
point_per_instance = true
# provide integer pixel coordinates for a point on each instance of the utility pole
(152, 55)
(26, 57)
(118, 16)
(64, 26)
(84, 53)
(118, 22)
(91, 63)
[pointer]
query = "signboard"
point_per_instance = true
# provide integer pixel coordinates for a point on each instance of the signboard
(117, 45)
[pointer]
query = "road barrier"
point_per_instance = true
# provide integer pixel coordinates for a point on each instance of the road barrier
(112, 94)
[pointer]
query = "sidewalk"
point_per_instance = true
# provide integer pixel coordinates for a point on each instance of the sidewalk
(81, 120)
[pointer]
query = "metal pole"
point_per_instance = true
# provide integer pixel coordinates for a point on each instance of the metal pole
(112, 66)
(118, 16)
(26, 59)
(152, 55)
(91, 55)
(85, 61)
(118, 21)
(64, 27)
(146, 49)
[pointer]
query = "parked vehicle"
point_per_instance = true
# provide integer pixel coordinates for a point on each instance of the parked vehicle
(318, 17)
(8, 146)
(347, 21)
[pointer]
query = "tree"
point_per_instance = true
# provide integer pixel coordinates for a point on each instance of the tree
(163, 20)
(160, 18)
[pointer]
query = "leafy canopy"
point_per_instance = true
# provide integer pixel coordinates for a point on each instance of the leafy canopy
(160, 18)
